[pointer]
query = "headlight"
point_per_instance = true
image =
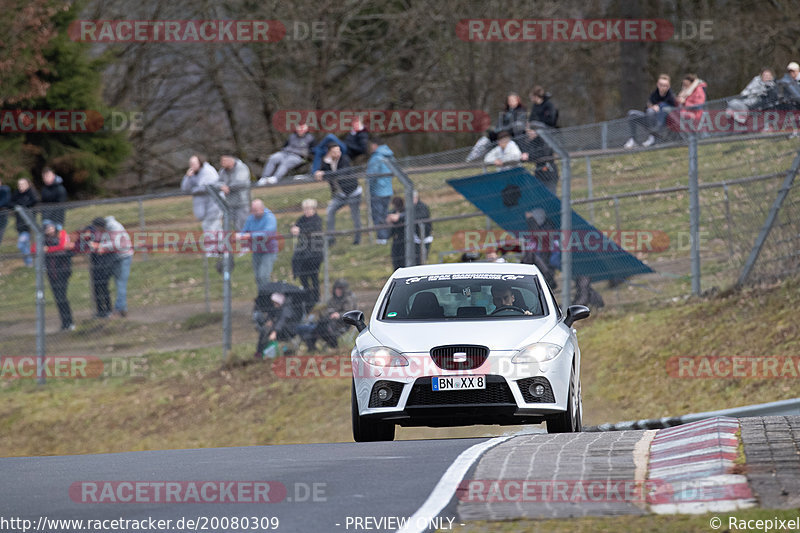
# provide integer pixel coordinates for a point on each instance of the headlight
(383, 356)
(537, 353)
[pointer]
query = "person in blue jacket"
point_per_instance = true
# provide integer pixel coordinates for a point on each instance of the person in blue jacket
(380, 186)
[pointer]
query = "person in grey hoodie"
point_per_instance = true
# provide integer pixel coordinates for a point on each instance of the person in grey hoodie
(200, 174)
(297, 149)
(234, 177)
(119, 243)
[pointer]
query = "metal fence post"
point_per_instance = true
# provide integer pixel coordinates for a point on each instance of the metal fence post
(142, 224)
(30, 220)
(694, 214)
(589, 187)
(227, 256)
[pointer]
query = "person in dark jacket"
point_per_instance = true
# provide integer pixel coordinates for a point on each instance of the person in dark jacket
(543, 110)
(5, 206)
(398, 218)
(53, 192)
(354, 144)
(277, 316)
(537, 151)
(297, 149)
(58, 261)
(654, 117)
(330, 325)
(345, 190)
(26, 197)
(307, 256)
(102, 263)
(422, 212)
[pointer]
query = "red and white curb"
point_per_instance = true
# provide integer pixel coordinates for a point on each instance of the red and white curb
(690, 468)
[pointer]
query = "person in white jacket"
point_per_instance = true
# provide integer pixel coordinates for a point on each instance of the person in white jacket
(506, 151)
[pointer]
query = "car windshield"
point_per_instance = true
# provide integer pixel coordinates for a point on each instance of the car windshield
(464, 297)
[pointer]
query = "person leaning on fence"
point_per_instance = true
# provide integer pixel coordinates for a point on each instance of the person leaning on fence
(654, 118)
(760, 93)
(512, 120)
(789, 87)
(307, 256)
(102, 263)
(345, 190)
(53, 192)
(234, 181)
(58, 263)
(25, 197)
(537, 151)
(506, 151)
(206, 210)
(379, 176)
(692, 97)
(330, 326)
(5, 207)
(260, 231)
(297, 149)
(117, 241)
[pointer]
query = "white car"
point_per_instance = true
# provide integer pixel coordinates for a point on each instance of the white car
(462, 344)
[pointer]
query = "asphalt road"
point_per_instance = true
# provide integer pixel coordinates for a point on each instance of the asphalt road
(328, 486)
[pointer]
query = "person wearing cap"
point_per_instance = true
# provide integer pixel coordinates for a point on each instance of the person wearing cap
(505, 152)
(794, 70)
(58, 263)
(102, 262)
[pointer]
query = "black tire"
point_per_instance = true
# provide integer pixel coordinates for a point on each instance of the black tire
(364, 429)
(570, 421)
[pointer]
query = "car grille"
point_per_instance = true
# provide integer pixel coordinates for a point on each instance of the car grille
(394, 386)
(525, 384)
(496, 392)
(443, 356)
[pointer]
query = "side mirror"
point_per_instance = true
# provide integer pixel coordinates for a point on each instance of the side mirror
(356, 318)
(575, 313)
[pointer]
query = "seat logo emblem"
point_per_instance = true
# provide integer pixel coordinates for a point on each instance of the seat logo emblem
(460, 357)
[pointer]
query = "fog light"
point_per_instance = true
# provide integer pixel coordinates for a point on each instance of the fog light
(384, 394)
(537, 389)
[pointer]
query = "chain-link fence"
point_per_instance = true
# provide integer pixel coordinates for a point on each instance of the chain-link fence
(746, 229)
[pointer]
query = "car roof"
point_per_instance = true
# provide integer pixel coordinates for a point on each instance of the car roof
(466, 268)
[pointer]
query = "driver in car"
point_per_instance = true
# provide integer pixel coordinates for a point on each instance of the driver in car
(503, 297)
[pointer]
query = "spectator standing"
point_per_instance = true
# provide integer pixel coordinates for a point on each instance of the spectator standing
(535, 150)
(297, 149)
(102, 263)
(307, 256)
(422, 212)
(206, 210)
(26, 197)
(53, 192)
(234, 178)
(330, 325)
(5, 206)
(398, 218)
(654, 117)
(345, 190)
(380, 185)
(506, 151)
(117, 241)
(543, 109)
(260, 229)
(58, 262)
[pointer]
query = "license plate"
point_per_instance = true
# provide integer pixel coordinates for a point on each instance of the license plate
(458, 383)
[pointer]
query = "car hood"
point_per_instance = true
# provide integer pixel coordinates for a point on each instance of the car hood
(496, 334)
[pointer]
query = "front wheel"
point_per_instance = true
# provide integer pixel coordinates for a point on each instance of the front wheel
(570, 420)
(364, 429)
